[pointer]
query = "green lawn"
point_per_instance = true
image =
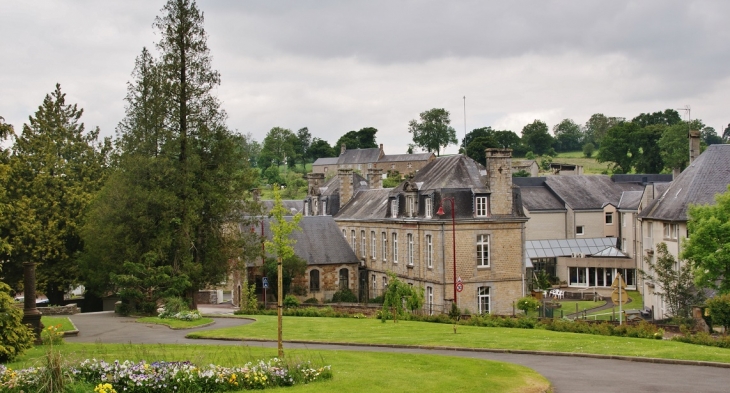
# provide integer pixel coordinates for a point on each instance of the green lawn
(367, 331)
(590, 165)
(568, 306)
(175, 323)
(636, 303)
(385, 371)
(65, 323)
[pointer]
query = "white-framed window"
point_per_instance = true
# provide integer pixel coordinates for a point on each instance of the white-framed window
(385, 283)
(353, 241)
(481, 205)
(609, 218)
(483, 300)
(363, 249)
(373, 245)
(429, 300)
(580, 230)
(675, 231)
(667, 231)
(428, 208)
(625, 219)
(482, 250)
(324, 208)
(375, 281)
(306, 209)
(394, 208)
(395, 247)
(344, 234)
(411, 206)
(650, 230)
(409, 237)
(429, 251)
(384, 245)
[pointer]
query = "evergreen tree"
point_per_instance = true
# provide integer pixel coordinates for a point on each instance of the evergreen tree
(56, 168)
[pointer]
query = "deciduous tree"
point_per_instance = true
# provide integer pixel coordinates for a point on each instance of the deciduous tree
(568, 136)
(536, 138)
(361, 139)
(433, 132)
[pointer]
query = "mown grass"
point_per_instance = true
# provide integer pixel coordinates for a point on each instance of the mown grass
(372, 331)
(353, 371)
(176, 323)
(590, 165)
(65, 323)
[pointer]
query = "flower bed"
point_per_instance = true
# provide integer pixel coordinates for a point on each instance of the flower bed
(171, 376)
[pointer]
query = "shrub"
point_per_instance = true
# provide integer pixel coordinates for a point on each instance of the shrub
(719, 310)
(454, 313)
(344, 295)
(291, 301)
(15, 337)
(376, 300)
(588, 150)
(528, 303)
(311, 300)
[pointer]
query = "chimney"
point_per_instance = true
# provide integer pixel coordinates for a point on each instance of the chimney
(314, 180)
(345, 176)
(694, 145)
(499, 180)
(375, 178)
(343, 148)
(381, 153)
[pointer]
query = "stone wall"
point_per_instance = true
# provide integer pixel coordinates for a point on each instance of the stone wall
(69, 309)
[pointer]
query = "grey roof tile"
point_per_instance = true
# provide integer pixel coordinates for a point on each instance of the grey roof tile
(405, 157)
(366, 204)
(320, 242)
(359, 156)
(589, 192)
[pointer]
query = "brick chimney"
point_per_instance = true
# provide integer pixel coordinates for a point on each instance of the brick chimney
(346, 189)
(314, 182)
(375, 178)
(381, 153)
(343, 148)
(499, 180)
(694, 145)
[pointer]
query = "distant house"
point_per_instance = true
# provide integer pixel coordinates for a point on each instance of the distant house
(360, 160)
(529, 166)
(566, 169)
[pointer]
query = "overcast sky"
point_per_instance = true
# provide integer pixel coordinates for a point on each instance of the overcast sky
(336, 66)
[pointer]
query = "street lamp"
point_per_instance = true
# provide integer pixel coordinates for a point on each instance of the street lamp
(440, 212)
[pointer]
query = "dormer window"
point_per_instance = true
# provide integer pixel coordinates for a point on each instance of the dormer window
(394, 208)
(411, 204)
(428, 209)
(482, 206)
(324, 208)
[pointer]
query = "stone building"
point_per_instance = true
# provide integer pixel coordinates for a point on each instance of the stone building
(360, 160)
(398, 230)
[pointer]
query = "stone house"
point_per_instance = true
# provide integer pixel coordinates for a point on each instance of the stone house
(398, 230)
(529, 166)
(360, 160)
(664, 218)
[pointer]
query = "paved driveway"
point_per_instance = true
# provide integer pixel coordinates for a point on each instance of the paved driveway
(567, 374)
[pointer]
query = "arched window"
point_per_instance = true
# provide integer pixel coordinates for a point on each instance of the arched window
(344, 278)
(314, 281)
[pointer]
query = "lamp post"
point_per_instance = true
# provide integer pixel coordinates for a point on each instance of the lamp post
(440, 212)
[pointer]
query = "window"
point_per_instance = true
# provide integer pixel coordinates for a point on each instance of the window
(625, 219)
(429, 251)
(580, 230)
(363, 249)
(395, 247)
(609, 218)
(306, 209)
(344, 234)
(385, 283)
(324, 208)
(600, 276)
(623, 245)
(671, 231)
(373, 246)
(650, 230)
(675, 231)
(344, 278)
(483, 300)
(384, 246)
(375, 282)
(411, 206)
(429, 300)
(314, 281)
(394, 208)
(409, 237)
(481, 206)
(314, 206)
(428, 209)
(353, 241)
(483, 250)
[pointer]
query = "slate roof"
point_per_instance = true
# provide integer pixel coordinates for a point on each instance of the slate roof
(320, 242)
(589, 192)
(566, 247)
(522, 163)
(630, 200)
(366, 204)
(332, 186)
(707, 176)
(326, 161)
(540, 198)
(405, 157)
(292, 206)
(456, 172)
(641, 178)
(359, 156)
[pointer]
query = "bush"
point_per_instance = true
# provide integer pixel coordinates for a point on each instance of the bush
(719, 310)
(528, 303)
(311, 300)
(291, 301)
(15, 337)
(344, 295)
(588, 150)
(704, 339)
(377, 300)
(454, 313)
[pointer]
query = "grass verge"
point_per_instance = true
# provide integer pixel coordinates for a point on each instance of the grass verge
(176, 323)
(65, 323)
(385, 371)
(372, 331)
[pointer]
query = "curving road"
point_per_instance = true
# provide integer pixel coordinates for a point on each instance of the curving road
(567, 373)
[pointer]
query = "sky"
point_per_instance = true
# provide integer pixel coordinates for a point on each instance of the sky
(337, 66)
